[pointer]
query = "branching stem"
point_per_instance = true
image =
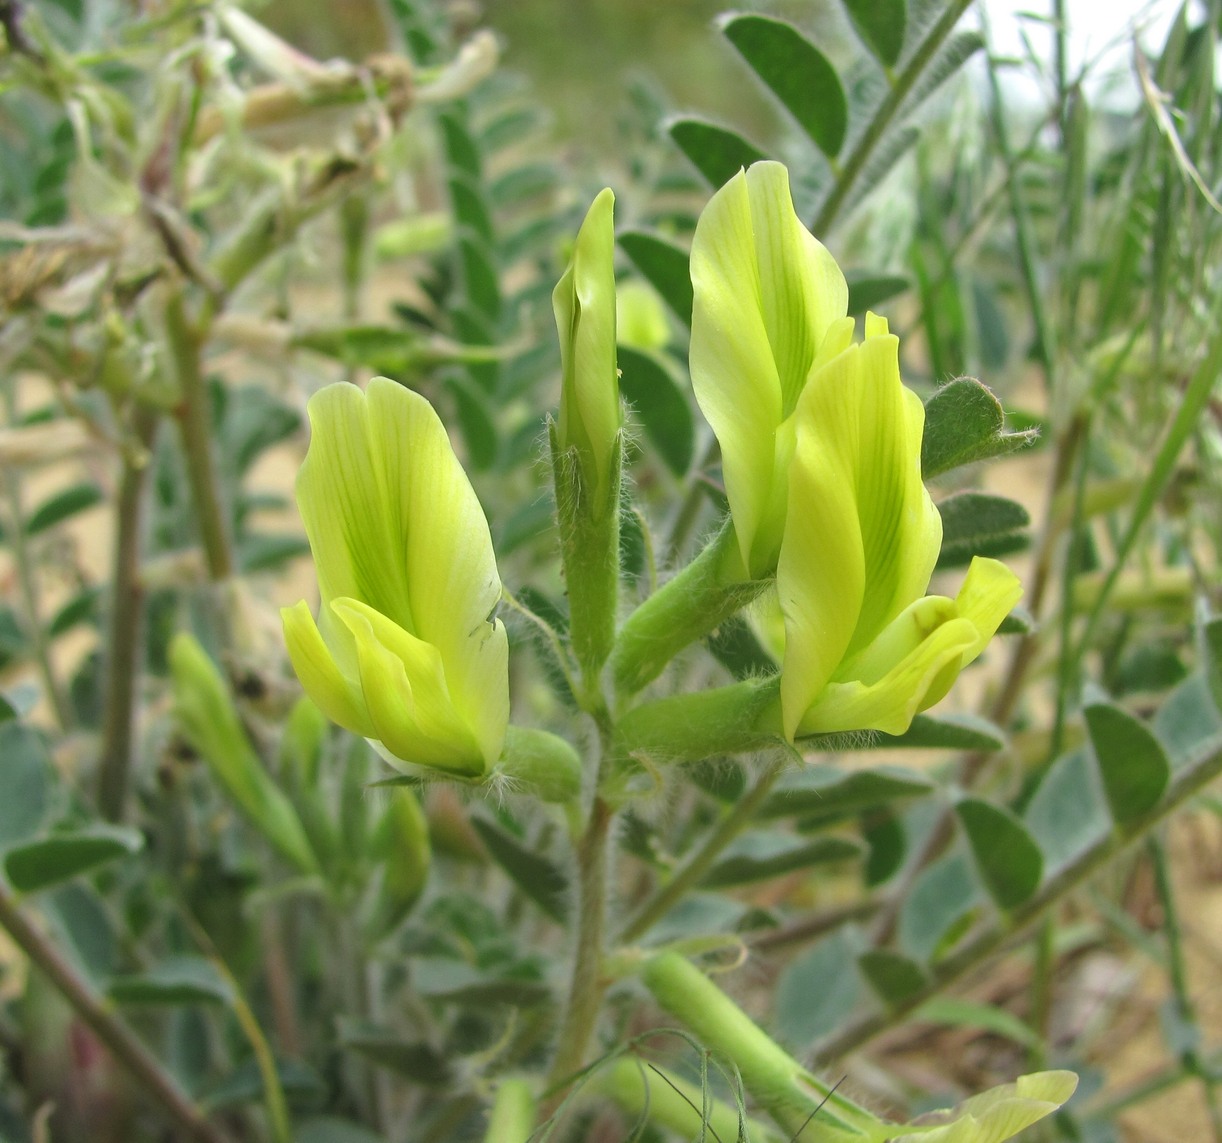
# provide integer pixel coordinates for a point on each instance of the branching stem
(855, 164)
(1189, 780)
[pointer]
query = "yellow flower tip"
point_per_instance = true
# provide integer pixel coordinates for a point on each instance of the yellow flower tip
(1000, 1113)
(404, 683)
(877, 326)
(402, 652)
(320, 676)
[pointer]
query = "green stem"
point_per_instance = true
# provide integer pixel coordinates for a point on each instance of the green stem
(788, 1092)
(813, 926)
(1189, 780)
(1042, 992)
(1196, 395)
(27, 584)
(513, 1113)
(1068, 445)
(587, 983)
(153, 1079)
(982, 216)
(1069, 681)
(125, 627)
(643, 1089)
(696, 725)
(195, 430)
(1177, 971)
(273, 1092)
(272, 222)
(354, 232)
(855, 164)
(702, 860)
(1106, 1110)
(1044, 348)
(589, 527)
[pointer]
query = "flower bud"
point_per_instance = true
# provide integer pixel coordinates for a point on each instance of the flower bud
(587, 438)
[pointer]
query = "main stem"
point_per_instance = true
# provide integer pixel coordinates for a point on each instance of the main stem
(129, 1051)
(587, 983)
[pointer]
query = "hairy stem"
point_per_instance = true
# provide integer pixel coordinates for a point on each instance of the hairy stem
(125, 629)
(587, 983)
(130, 1052)
(687, 607)
(855, 164)
(696, 866)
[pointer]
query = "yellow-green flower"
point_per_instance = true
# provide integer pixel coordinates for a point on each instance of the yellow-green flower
(406, 651)
(767, 297)
(821, 448)
(864, 647)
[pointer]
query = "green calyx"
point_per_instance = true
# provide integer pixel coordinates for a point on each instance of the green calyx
(713, 587)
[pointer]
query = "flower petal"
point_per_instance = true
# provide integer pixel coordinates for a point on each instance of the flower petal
(901, 528)
(821, 572)
(338, 697)
(862, 534)
(989, 592)
(998, 1114)
(890, 703)
(454, 587)
(766, 292)
(404, 684)
(357, 535)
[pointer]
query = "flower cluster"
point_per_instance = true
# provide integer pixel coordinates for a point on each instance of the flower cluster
(821, 447)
